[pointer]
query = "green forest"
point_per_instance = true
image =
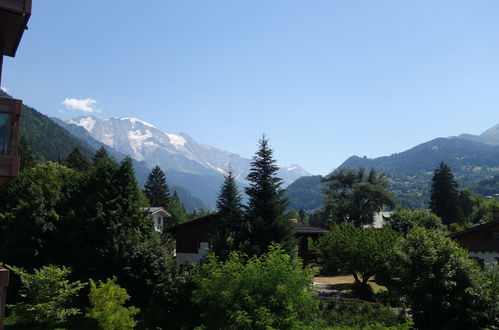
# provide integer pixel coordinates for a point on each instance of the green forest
(84, 254)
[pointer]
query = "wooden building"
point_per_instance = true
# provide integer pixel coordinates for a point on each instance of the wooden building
(192, 239)
(158, 216)
(14, 16)
(481, 241)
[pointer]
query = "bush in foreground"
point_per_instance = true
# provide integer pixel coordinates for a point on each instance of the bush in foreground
(107, 300)
(45, 296)
(268, 292)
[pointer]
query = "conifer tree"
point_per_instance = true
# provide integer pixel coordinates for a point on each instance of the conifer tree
(77, 160)
(25, 153)
(264, 221)
(156, 189)
(177, 210)
(100, 155)
(444, 195)
(227, 234)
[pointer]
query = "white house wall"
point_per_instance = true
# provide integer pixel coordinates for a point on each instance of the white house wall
(194, 257)
(487, 256)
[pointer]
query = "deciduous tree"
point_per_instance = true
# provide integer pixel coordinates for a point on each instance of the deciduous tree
(354, 196)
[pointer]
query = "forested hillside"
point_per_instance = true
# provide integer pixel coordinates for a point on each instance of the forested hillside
(47, 140)
(305, 193)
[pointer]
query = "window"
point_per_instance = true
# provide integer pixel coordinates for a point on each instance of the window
(495, 235)
(5, 133)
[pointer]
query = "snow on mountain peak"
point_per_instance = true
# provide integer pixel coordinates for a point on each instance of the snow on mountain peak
(87, 123)
(177, 140)
(135, 120)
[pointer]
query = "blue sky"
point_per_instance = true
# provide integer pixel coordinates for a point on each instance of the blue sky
(324, 80)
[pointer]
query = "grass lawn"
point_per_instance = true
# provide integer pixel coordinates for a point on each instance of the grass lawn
(343, 283)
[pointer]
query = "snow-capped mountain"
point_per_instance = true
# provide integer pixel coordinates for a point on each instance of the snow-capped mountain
(179, 152)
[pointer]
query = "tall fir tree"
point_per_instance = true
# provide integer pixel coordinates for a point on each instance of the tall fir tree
(444, 198)
(25, 153)
(156, 189)
(226, 236)
(177, 210)
(264, 221)
(100, 155)
(76, 160)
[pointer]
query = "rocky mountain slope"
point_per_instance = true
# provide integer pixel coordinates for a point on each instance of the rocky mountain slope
(197, 167)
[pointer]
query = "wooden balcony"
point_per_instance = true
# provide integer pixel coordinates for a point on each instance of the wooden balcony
(14, 16)
(10, 113)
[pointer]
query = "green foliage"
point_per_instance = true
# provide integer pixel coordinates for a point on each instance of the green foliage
(76, 160)
(156, 189)
(354, 196)
(45, 296)
(177, 211)
(363, 252)
(34, 206)
(25, 153)
(100, 155)
(106, 301)
(305, 193)
(51, 209)
(443, 286)
(264, 222)
(171, 304)
(361, 315)
(226, 236)
(444, 195)
(272, 291)
(404, 220)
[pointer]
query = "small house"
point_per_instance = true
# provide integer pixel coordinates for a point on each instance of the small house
(481, 241)
(158, 216)
(192, 239)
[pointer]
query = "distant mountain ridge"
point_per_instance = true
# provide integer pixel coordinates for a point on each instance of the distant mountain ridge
(474, 160)
(179, 152)
(197, 167)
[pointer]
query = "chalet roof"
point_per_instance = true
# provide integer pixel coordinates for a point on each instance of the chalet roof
(475, 228)
(298, 228)
(307, 229)
(156, 209)
(206, 218)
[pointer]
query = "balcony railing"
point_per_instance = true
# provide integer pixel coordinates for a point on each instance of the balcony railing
(14, 16)
(10, 113)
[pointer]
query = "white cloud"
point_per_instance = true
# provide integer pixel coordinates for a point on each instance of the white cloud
(5, 89)
(86, 105)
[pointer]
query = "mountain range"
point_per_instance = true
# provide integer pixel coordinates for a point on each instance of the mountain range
(473, 159)
(197, 167)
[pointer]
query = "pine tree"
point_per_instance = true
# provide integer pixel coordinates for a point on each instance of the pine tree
(264, 221)
(226, 236)
(177, 210)
(156, 189)
(444, 195)
(77, 161)
(100, 155)
(25, 153)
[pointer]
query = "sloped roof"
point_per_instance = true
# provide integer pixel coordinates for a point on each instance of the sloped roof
(155, 209)
(475, 228)
(307, 229)
(297, 227)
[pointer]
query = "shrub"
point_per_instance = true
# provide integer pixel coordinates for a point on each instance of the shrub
(107, 300)
(268, 292)
(45, 295)
(362, 315)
